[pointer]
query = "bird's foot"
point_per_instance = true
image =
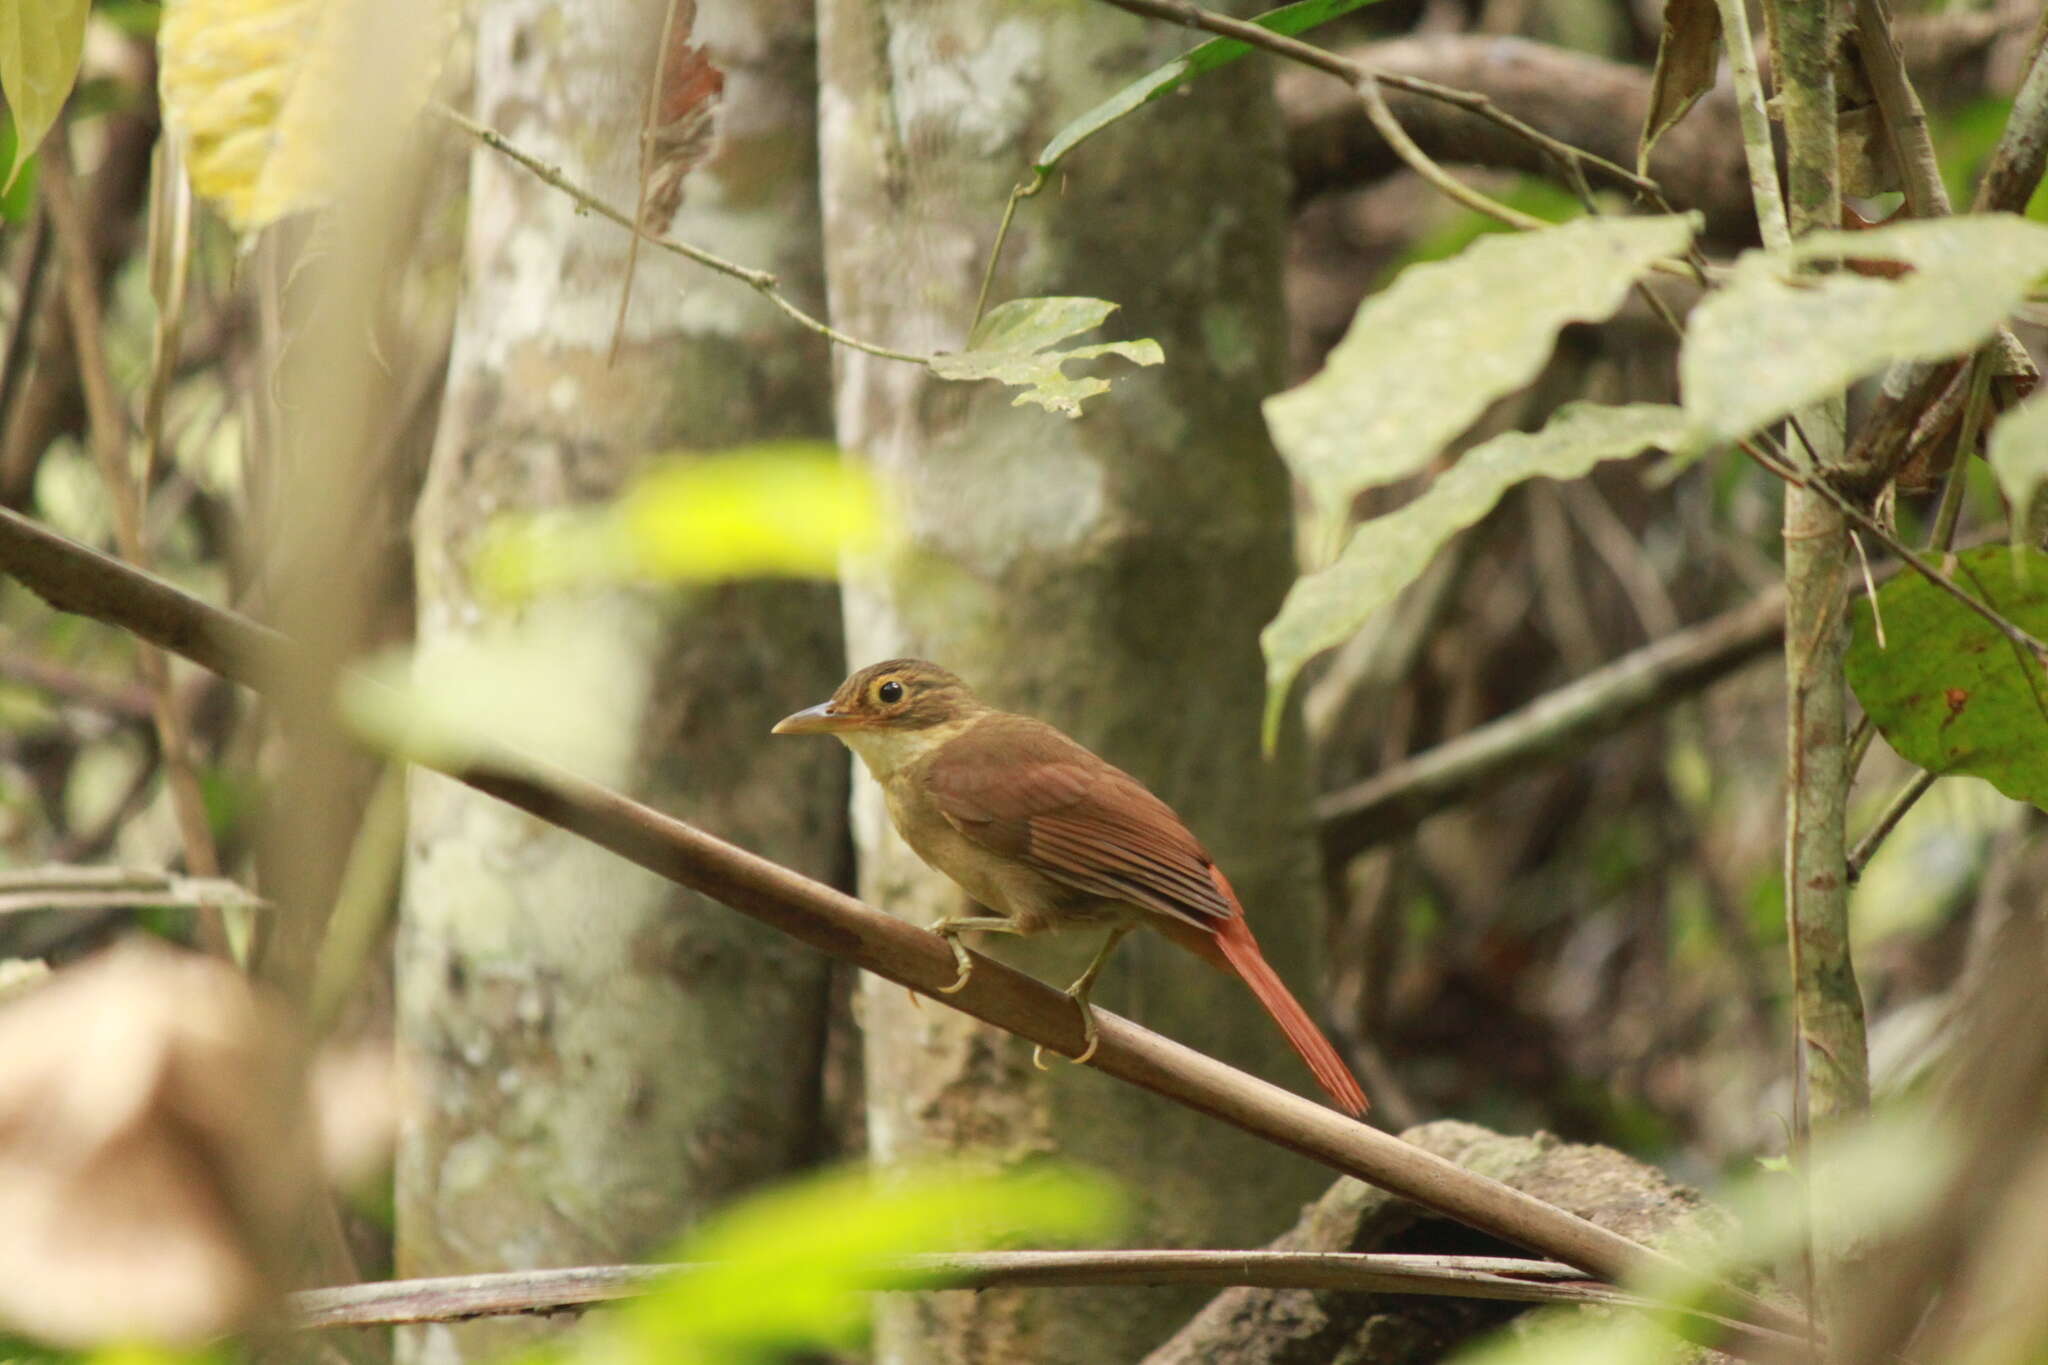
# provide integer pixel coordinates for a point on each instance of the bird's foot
(1088, 1031)
(965, 963)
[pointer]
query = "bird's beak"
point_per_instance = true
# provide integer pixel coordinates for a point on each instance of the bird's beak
(814, 720)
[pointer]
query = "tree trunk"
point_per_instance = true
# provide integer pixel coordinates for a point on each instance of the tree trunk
(1110, 574)
(602, 1056)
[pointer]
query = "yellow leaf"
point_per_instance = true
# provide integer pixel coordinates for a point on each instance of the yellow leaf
(280, 103)
(40, 44)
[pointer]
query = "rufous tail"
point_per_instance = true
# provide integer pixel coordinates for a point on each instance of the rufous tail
(1241, 952)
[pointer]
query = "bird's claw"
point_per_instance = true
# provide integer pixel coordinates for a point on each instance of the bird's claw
(966, 964)
(1088, 1031)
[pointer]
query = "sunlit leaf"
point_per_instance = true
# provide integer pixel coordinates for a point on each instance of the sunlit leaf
(1388, 553)
(1688, 52)
(562, 685)
(1171, 76)
(1775, 339)
(2018, 451)
(280, 102)
(1018, 344)
(785, 509)
(1424, 357)
(793, 1267)
(1950, 692)
(41, 42)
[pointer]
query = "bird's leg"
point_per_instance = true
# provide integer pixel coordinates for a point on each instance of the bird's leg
(1080, 991)
(952, 926)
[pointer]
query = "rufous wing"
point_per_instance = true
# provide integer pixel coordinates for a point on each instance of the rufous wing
(1019, 787)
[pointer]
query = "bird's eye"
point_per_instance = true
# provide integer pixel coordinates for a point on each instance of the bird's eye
(890, 691)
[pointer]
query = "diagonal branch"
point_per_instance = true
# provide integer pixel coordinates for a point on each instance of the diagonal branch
(72, 577)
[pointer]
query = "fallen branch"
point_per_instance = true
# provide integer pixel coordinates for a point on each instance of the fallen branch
(456, 1298)
(70, 576)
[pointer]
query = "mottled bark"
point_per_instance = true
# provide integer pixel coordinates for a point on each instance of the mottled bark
(600, 1055)
(1110, 574)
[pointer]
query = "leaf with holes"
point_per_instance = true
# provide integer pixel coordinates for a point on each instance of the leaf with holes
(1687, 54)
(1017, 343)
(1388, 553)
(1774, 339)
(41, 42)
(1424, 357)
(1948, 691)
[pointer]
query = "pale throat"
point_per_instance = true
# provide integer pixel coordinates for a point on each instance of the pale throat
(884, 751)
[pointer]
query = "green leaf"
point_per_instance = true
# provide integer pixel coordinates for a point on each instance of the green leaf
(41, 42)
(793, 1267)
(2018, 452)
(1426, 356)
(1948, 691)
(780, 509)
(1774, 340)
(1388, 553)
(1165, 79)
(1016, 344)
(18, 199)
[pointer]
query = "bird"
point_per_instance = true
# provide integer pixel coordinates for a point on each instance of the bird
(1044, 835)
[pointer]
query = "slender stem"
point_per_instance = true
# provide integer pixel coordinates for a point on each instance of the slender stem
(760, 281)
(1866, 847)
(995, 251)
(1420, 162)
(1950, 510)
(1904, 117)
(647, 122)
(107, 424)
(1756, 124)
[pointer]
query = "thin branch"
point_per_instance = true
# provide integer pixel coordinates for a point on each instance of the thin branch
(1751, 113)
(1556, 724)
(107, 424)
(67, 575)
(2022, 152)
(1866, 847)
(760, 281)
(112, 888)
(647, 122)
(458, 1298)
(1904, 117)
(1419, 161)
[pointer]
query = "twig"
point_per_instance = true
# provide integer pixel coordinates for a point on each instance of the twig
(761, 282)
(1555, 724)
(647, 122)
(112, 888)
(457, 1298)
(1755, 120)
(1419, 161)
(128, 701)
(1904, 118)
(1866, 847)
(2022, 152)
(1353, 73)
(170, 259)
(67, 575)
(108, 426)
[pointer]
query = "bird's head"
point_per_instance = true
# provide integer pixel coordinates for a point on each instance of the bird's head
(900, 696)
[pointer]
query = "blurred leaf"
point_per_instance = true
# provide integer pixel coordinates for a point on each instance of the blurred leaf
(1167, 78)
(18, 199)
(787, 508)
(1950, 693)
(1688, 51)
(41, 42)
(561, 685)
(1774, 340)
(272, 98)
(1425, 357)
(1015, 344)
(1387, 553)
(792, 1267)
(2018, 452)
